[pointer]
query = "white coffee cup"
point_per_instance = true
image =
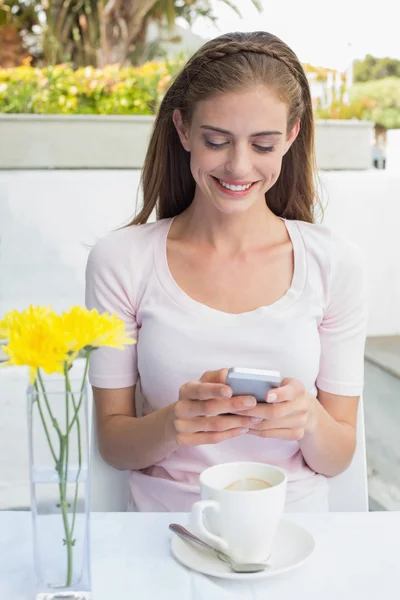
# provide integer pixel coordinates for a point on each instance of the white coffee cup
(240, 523)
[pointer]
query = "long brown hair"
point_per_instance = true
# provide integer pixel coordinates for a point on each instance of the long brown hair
(224, 64)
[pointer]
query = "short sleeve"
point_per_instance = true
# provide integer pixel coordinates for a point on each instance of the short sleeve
(109, 289)
(343, 327)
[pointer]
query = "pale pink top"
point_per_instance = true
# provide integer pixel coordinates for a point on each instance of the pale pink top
(315, 333)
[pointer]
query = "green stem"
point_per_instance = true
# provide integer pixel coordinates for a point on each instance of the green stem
(68, 541)
(54, 421)
(66, 438)
(81, 391)
(44, 423)
(62, 469)
(78, 430)
(62, 486)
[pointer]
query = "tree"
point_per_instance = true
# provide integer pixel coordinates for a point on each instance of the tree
(372, 68)
(100, 32)
(17, 19)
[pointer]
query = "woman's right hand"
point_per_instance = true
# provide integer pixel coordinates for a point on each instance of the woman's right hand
(201, 415)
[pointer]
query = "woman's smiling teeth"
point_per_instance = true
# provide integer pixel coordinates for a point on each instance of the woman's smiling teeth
(235, 188)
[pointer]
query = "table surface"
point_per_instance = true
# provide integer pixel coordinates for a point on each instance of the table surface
(357, 556)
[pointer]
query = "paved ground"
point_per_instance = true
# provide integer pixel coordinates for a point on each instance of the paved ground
(382, 420)
(382, 426)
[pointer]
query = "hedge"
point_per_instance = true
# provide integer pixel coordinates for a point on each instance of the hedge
(116, 90)
(60, 89)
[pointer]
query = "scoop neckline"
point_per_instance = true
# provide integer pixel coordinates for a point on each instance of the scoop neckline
(186, 302)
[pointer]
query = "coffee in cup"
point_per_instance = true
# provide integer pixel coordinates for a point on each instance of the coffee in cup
(249, 484)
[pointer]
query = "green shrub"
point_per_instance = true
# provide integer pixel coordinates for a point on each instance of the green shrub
(381, 100)
(377, 101)
(61, 90)
(116, 90)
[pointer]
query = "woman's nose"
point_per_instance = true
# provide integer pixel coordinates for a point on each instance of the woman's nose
(239, 163)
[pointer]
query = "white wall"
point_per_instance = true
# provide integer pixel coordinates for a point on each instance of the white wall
(46, 217)
(365, 207)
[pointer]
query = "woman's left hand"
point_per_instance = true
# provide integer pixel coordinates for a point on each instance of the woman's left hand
(288, 413)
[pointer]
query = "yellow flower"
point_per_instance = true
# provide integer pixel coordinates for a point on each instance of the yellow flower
(40, 338)
(4, 328)
(88, 329)
(35, 340)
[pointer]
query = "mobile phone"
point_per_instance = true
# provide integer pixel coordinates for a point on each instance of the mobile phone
(252, 382)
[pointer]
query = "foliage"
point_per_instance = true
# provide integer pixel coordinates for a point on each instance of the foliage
(377, 101)
(381, 100)
(372, 68)
(321, 74)
(17, 19)
(341, 110)
(139, 90)
(60, 89)
(97, 32)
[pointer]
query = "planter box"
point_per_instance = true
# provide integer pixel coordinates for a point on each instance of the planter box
(120, 142)
(342, 144)
(73, 141)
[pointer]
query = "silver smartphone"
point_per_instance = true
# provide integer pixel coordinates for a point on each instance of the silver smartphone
(252, 382)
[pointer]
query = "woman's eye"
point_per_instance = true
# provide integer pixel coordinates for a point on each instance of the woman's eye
(214, 145)
(264, 148)
(259, 148)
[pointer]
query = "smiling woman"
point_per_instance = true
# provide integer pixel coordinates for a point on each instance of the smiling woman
(261, 70)
(234, 162)
(234, 273)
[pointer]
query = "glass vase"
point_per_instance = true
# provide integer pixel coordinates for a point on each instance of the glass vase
(59, 478)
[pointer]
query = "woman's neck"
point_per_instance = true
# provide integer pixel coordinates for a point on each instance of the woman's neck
(228, 233)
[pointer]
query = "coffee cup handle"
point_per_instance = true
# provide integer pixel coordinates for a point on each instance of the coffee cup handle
(197, 522)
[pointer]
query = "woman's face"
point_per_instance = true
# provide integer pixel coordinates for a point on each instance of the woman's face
(236, 142)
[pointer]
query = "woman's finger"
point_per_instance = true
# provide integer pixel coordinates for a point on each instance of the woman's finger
(289, 390)
(278, 410)
(199, 390)
(188, 409)
(284, 434)
(215, 376)
(291, 422)
(205, 424)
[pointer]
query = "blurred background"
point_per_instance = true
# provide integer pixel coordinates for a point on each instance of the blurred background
(80, 83)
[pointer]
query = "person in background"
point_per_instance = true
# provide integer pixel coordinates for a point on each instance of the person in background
(379, 147)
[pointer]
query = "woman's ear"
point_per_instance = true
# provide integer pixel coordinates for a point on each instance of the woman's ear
(181, 128)
(292, 136)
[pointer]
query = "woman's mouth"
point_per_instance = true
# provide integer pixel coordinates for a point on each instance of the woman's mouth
(234, 189)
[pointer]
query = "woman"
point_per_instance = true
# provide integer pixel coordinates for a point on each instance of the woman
(233, 273)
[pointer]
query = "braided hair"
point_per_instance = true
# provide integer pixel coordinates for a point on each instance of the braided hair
(232, 62)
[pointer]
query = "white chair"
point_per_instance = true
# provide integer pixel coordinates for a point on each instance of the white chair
(109, 488)
(348, 491)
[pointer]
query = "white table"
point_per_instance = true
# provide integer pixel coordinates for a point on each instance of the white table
(357, 557)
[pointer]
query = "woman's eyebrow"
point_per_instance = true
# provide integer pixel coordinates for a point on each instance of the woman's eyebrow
(261, 133)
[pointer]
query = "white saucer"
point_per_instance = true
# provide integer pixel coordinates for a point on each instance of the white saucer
(293, 545)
